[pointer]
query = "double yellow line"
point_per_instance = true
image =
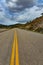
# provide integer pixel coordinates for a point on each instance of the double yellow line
(14, 58)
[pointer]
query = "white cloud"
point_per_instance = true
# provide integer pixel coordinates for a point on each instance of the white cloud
(23, 16)
(10, 4)
(14, 0)
(6, 21)
(29, 14)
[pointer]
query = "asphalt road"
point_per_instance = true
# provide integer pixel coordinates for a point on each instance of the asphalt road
(30, 47)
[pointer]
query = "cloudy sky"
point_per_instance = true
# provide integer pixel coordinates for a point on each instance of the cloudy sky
(19, 11)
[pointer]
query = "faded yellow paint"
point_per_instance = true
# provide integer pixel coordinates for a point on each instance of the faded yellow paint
(13, 53)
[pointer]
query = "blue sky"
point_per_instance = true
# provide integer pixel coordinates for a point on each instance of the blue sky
(19, 11)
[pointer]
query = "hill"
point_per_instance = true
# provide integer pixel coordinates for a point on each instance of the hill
(35, 25)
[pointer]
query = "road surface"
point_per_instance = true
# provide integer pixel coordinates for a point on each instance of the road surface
(20, 47)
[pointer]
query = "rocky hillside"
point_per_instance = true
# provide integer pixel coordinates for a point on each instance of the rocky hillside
(37, 25)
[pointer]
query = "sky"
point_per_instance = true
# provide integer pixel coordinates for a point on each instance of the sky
(19, 11)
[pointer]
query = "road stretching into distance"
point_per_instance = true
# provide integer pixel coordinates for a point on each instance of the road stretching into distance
(20, 47)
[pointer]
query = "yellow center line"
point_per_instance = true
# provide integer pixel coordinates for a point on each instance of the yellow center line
(15, 43)
(13, 53)
(17, 54)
